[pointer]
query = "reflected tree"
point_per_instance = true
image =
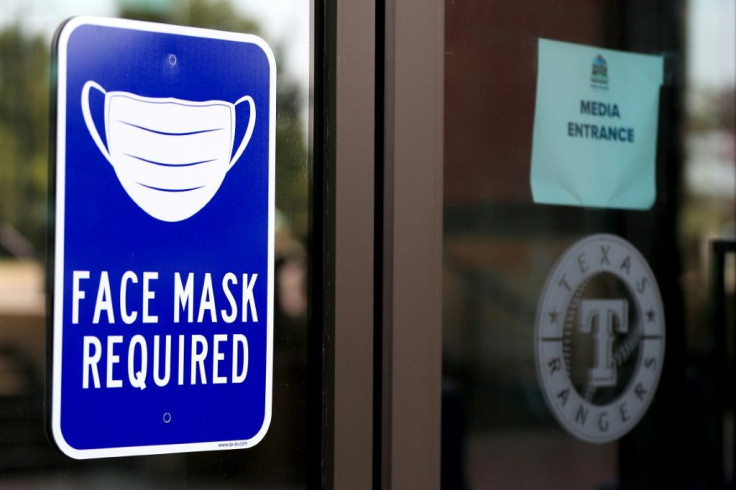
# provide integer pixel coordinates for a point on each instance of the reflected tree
(24, 117)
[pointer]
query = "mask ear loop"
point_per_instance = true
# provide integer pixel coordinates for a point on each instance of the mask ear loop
(88, 117)
(249, 129)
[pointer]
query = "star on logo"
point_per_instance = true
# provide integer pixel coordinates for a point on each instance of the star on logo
(553, 316)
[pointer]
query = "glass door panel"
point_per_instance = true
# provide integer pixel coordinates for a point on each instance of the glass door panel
(516, 415)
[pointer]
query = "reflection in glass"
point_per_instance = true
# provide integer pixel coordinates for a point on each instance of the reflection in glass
(499, 247)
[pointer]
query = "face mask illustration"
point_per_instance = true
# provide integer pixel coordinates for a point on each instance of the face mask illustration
(170, 155)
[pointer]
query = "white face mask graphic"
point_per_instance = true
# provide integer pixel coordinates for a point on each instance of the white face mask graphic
(170, 155)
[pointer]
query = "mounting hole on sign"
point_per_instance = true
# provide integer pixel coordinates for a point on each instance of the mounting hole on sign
(167, 418)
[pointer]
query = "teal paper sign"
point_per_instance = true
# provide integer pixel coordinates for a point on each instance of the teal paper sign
(595, 127)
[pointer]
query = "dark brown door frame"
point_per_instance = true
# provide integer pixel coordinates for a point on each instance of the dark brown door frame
(413, 82)
(383, 117)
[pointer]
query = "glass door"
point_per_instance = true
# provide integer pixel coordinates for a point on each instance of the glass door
(579, 345)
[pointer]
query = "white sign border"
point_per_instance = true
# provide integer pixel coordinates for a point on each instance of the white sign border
(58, 286)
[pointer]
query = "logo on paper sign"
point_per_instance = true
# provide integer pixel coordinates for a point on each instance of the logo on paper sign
(600, 336)
(170, 155)
(599, 75)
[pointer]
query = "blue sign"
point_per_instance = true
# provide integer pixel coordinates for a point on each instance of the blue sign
(164, 239)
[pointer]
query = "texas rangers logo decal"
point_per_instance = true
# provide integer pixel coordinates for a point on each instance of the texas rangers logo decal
(599, 338)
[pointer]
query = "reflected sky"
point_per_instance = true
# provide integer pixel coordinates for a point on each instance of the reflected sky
(711, 43)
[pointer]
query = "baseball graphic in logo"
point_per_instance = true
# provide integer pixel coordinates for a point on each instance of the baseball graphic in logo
(599, 338)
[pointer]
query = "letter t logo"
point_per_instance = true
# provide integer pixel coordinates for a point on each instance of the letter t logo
(601, 317)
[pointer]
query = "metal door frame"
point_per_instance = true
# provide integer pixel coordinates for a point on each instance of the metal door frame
(381, 132)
